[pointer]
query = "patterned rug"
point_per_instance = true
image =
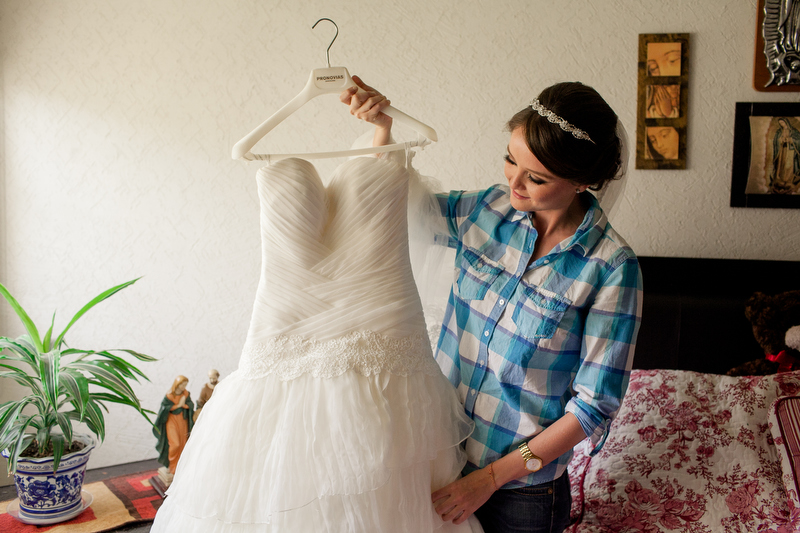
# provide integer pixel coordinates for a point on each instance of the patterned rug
(116, 501)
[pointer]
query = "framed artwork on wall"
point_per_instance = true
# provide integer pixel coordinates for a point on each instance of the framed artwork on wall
(766, 155)
(777, 59)
(661, 112)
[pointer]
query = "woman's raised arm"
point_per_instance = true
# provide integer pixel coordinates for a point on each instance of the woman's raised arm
(368, 104)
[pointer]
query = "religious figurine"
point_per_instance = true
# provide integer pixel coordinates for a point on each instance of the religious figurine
(208, 390)
(172, 427)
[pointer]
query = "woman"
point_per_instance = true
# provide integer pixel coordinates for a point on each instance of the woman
(662, 143)
(174, 423)
(542, 318)
(785, 174)
(664, 59)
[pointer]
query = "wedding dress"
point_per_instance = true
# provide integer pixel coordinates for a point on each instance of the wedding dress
(338, 419)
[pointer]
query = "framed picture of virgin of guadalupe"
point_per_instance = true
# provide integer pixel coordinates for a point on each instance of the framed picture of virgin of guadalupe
(766, 155)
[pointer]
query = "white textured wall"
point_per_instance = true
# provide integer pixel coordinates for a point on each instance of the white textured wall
(118, 119)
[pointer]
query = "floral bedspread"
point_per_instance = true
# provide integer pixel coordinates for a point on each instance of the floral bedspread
(688, 452)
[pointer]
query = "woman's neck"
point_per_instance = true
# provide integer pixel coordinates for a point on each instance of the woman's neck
(552, 227)
(560, 222)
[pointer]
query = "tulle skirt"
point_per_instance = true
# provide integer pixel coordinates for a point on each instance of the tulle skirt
(350, 453)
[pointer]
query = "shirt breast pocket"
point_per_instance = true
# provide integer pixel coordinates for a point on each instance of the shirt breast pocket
(538, 312)
(476, 274)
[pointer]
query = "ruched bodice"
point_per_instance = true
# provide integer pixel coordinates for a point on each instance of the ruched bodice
(336, 269)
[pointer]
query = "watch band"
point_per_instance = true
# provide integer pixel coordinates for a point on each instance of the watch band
(533, 463)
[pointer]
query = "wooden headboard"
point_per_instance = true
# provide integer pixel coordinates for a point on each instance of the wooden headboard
(693, 310)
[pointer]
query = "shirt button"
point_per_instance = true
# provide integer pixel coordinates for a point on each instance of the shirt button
(546, 261)
(502, 302)
(486, 333)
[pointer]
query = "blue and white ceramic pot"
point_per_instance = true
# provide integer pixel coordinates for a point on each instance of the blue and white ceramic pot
(45, 497)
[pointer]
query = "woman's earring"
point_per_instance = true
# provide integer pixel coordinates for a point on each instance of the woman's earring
(578, 190)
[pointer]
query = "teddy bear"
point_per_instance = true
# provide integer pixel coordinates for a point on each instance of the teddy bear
(776, 327)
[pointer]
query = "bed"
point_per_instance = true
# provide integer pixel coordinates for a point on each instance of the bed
(694, 450)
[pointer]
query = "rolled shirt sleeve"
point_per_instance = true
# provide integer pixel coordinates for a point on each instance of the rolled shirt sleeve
(609, 339)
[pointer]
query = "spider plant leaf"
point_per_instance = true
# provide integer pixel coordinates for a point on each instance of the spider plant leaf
(58, 450)
(22, 442)
(101, 397)
(27, 343)
(9, 438)
(43, 437)
(95, 419)
(77, 388)
(48, 335)
(15, 447)
(11, 415)
(106, 377)
(137, 355)
(96, 300)
(121, 364)
(23, 316)
(22, 351)
(49, 368)
(20, 377)
(130, 367)
(103, 405)
(117, 363)
(73, 351)
(114, 398)
(40, 403)
(5, 407)
(65, 425)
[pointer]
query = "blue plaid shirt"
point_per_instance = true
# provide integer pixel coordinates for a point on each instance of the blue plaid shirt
(523, 344)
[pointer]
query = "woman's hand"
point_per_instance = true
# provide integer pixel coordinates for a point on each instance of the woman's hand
(458, 500)
(663, 102)
(368, 104)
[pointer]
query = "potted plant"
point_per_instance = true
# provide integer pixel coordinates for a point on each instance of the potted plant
(65, 386)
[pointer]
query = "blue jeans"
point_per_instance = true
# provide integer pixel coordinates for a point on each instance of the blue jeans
(540, 508)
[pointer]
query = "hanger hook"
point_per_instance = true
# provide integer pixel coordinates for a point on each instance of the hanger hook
(328, 51)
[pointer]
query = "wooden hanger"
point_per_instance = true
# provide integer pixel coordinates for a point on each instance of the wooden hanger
(326, 81)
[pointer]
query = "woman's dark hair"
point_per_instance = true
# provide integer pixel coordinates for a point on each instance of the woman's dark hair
(578, 160)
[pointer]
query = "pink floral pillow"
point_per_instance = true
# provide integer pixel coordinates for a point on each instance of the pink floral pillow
(688, 452)
(784, 423)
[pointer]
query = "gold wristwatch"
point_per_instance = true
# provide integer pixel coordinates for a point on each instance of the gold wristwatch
(533, 462)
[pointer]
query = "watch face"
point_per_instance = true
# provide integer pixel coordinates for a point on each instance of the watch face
(533, 465)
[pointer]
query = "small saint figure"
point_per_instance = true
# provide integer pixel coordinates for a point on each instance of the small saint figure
(172, 427)
(208, 390)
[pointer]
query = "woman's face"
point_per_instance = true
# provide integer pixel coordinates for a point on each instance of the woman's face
(180, 387)
(533, 187)
(664, 141)
(664, 59)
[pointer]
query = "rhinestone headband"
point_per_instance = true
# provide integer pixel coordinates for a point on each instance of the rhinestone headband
(563, 124)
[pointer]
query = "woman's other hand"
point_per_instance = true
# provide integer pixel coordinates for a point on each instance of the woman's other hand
(461, 498)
